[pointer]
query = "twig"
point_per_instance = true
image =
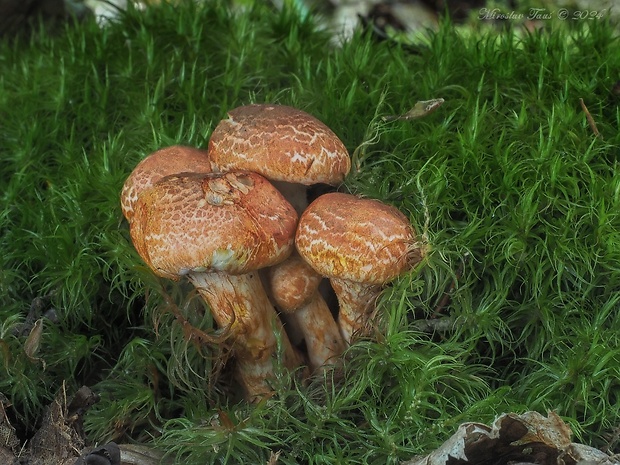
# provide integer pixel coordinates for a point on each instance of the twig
(589, 118)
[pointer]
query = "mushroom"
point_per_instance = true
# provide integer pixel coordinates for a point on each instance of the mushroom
(218, 230)
(360, 245)
(294, 289)
(164, 162)
(286, 145)
(292, 149)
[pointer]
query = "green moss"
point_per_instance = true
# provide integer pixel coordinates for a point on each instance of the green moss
(515, 194)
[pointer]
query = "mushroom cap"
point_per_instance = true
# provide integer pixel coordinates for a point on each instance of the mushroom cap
(361, 240)
(281, 143)
(293, 283)
(176, 159)
(235, 223)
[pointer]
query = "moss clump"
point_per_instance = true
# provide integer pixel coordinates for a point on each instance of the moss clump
(517, 197)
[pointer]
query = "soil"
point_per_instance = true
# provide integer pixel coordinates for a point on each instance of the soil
(59, 440)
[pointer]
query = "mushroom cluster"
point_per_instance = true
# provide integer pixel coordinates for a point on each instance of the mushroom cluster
(236, 222)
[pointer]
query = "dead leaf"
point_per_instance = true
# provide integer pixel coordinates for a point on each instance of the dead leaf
(420, 109)
(512, 438)
(33, 342)
(273, 458)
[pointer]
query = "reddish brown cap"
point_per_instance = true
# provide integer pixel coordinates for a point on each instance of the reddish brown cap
(235, 223)
(281, 143)
(361, 240)
(176, 159)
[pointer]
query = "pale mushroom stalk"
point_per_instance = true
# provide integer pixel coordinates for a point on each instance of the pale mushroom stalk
(360, 245)
(294, 290)
(219, 230)
(356, 303)
(240, 305)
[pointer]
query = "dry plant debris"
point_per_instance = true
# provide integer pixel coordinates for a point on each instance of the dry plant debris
(515, 439)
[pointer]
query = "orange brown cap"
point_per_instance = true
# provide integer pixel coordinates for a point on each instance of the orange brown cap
(235, 223)
(293, 283)
(281, 143)
(176, 159)
(361, 240)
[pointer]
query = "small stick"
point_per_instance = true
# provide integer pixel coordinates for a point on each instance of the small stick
(589, 118)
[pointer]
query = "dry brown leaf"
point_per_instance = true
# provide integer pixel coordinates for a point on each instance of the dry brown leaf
(512, 438)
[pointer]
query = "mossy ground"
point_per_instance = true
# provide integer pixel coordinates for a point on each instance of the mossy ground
(518, 198)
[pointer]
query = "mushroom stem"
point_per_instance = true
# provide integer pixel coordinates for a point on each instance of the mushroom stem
(294, 288)
(323, 341)
(240, 305)
(357, 303)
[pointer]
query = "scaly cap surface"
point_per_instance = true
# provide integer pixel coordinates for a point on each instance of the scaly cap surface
(235, 222)
(293, 283)
(361, 240)
(176, 159)
(281, 143)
